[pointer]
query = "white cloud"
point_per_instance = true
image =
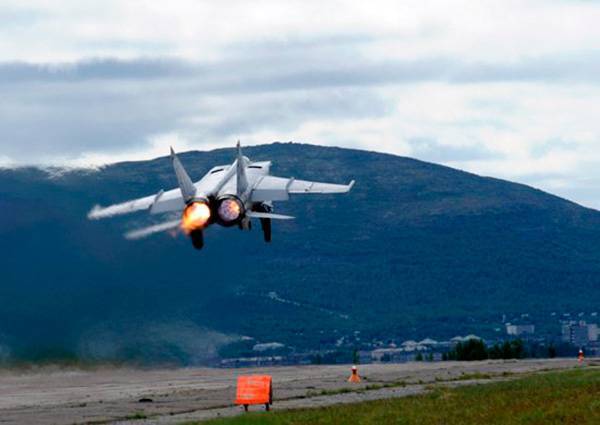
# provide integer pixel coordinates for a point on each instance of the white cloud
(158, 146)
(6, 162)
(505, 88)
(502, 29)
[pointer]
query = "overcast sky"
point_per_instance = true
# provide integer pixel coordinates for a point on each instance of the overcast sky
(506, 88)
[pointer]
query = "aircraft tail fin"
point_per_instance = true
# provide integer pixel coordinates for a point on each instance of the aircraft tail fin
(188, 190)
(242, 180)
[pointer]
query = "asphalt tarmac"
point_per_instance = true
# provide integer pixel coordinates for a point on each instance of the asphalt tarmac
(53, 395)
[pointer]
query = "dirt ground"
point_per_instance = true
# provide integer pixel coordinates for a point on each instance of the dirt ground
(106, 395)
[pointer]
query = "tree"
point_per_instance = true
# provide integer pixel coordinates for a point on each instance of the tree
(506, 350)
(495, 352)
(473, 349)
(419, 357)
(517, 349)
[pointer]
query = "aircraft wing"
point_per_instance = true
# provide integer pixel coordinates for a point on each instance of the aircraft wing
(271, 188)
(159, 203)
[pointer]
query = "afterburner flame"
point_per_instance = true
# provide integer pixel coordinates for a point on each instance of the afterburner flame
(195, 216)
(229, 210)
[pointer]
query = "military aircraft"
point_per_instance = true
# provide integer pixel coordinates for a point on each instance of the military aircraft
(228, 195)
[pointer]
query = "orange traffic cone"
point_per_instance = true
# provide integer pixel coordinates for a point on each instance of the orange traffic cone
(580, 356)
(354, 376)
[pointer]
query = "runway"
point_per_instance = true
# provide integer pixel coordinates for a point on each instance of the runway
(53, 395)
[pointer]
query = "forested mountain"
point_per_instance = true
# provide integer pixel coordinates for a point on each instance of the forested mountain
(416, 249)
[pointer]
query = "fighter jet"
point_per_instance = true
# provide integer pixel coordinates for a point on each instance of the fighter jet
(228, 195)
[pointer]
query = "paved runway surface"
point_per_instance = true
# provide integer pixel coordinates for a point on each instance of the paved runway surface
(65, 396)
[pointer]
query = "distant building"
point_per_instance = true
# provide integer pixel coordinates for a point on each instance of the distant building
(519, 330)
(579, 333)
(252, 361)
(428, 342)
(458, 338)
(393, 355)
(409, 345)
(470, 336)
(267, 346)
(592, 332)
(364, 357)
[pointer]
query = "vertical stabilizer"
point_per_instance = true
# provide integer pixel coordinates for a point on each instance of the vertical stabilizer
(242, 180)
(188, 190)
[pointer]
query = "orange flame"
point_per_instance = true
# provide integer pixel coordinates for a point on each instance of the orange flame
(195, 216)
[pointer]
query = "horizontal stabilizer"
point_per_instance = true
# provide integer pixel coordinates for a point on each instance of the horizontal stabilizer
(156, 228)
(256, 214)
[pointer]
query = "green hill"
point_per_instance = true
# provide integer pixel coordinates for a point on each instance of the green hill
(416, 249)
